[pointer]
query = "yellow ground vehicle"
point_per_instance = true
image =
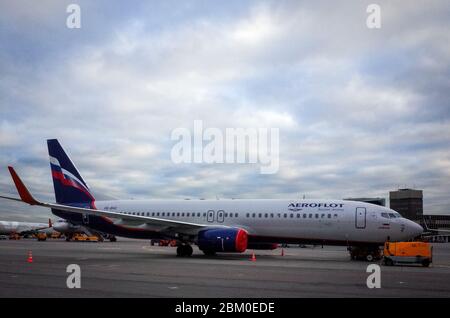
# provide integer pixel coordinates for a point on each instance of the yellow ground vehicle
(41, 236)
(79, 237)
(92, 239)
(56, 235)
(408, 253)
(84, 238)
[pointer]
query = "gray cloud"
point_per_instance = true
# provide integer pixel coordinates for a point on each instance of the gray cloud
(360, 111)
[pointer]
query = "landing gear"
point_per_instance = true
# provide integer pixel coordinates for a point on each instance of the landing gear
(367, 253)
(184, 250)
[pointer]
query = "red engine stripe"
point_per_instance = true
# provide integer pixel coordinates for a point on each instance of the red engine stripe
(241, 241)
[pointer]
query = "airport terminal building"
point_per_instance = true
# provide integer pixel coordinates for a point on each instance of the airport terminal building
(409, 203)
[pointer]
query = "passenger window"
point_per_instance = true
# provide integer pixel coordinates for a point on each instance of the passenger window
(178, 214)
(304, 215)
(236, 215)
(198, 214)
(317, 216)
(298, 216)
(335, 215)
(188, 214)
(285, 215)
(329, 216)
(322, 216)
(259, 215)
(310, 215)
(266, 215)
(182, 214)
(271, 215)
(292, 215)
(248, 215)
(253, 215)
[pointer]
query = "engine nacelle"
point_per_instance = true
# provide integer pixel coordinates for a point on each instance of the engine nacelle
(223, 240)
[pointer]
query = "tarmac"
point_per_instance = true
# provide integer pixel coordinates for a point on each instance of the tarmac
(133, 268)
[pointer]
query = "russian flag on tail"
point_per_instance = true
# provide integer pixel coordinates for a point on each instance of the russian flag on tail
(70, 188)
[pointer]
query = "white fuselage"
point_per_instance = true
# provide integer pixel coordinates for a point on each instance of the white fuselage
(327, 220)
(10, 227)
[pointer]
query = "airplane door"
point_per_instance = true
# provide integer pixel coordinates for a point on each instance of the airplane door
(360, 218)
(210, 216)
(220, 216)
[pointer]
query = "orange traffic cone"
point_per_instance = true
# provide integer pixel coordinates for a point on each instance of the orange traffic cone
(282, 251)
(253, 259)
(30, 257)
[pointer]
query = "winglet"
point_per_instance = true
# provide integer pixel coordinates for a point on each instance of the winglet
(21, 188)
(425, 224)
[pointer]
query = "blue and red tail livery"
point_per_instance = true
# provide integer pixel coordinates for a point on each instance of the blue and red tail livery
(70, 187)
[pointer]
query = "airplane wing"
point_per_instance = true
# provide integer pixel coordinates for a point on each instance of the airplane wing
(122, 219)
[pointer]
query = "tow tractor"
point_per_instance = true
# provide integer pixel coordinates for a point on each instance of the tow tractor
(84, 238)
(407, 253)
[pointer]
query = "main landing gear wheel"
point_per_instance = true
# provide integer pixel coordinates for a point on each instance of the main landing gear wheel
(184, 250)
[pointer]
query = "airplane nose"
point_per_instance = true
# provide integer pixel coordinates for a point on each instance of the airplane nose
(414, 229)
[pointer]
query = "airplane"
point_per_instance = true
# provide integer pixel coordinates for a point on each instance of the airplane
(230, 225)
(432, 232)
(24, 228)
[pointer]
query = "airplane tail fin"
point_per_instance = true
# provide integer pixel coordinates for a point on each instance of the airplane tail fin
(70, 188)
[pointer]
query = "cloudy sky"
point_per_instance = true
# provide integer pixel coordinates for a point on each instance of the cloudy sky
(360, 111)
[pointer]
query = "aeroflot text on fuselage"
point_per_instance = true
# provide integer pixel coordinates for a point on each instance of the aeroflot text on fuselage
(297, 206)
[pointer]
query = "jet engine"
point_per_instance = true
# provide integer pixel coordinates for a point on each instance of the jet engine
(222, 240)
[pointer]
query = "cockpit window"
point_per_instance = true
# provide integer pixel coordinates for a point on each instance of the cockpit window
(385, 215)
(392, 215)
(398, 215)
